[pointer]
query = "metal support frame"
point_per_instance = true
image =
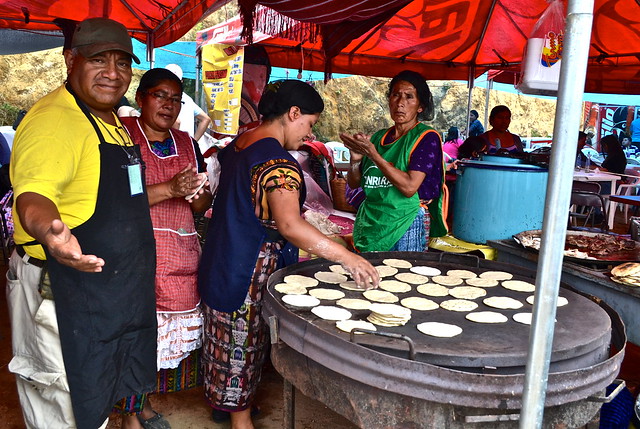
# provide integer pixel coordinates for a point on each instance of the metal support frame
(289, 410)
(571, 89)
(470, 83)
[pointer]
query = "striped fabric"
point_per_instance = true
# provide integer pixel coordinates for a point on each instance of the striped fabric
(130, 405)
(340, 21)
(416, 238)
(330, 11)
(186, 376)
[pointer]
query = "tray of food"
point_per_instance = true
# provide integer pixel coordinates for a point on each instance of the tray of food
(588, 247)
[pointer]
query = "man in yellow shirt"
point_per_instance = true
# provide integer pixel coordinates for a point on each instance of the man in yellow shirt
(81, 281)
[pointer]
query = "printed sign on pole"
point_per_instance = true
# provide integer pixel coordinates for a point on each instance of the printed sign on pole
(222, 67)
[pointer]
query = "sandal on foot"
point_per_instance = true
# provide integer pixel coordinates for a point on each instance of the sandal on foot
(219, 416)
(155, 422)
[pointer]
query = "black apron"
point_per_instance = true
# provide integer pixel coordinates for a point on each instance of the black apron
(107, 320)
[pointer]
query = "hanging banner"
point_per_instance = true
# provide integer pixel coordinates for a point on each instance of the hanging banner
(612, 119)
(222, 68)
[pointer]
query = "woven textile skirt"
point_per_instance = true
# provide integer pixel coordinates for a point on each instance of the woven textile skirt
(236, 344)
(416, 238)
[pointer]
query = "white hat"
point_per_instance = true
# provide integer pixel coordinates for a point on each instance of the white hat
(175, 69)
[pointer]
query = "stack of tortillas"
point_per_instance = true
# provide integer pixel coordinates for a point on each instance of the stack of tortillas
(389, 315)
(628, 273)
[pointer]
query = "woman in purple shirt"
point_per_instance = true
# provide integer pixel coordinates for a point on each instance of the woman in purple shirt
(401, 172)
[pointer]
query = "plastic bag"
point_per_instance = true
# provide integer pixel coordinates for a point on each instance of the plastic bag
(542, 58)
(213, 171)
(316, 198)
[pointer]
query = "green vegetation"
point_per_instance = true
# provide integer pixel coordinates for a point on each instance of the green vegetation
(8, 113)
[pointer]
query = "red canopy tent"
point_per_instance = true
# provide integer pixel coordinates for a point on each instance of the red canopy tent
(452, 40)
(155, 22)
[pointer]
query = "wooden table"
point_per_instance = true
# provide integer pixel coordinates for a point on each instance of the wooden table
(592, 176)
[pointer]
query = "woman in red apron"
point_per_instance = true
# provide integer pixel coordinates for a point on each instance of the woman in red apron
(170, 159)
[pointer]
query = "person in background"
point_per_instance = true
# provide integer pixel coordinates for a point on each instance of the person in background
(475, 126)
(498, 138)
(169, 156)
(81, 279)
(451, 144)
(615, 160)
(255, 213)
(472, 148)
(401, 172)
(581, 158)
(450, 153)
(634, 132)
(190, 114)
(629, 149)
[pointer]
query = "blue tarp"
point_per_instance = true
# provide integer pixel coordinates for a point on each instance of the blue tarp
(181, 53)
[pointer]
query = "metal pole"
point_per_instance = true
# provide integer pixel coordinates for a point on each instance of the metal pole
(198, 90)
(151, 51)
(565, 134)
(486, 103)
(472, 71)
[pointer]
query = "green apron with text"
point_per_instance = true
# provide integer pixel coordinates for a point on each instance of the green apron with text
(386, 214)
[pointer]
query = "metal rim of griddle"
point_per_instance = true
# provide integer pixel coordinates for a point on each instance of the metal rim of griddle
(434, 382)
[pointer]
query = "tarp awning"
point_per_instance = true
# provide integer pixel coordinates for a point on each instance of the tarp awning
(155, 22)
(443, 40)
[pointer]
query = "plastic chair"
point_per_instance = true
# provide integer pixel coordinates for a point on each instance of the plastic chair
(585, 202)
(340, 152)
(629, 188)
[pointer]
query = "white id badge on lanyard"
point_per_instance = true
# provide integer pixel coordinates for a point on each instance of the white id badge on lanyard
(135, 179)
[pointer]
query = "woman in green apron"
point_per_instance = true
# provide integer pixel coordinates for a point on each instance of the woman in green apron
(401, 172)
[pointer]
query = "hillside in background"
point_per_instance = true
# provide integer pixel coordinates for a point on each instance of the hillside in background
(352, 104)
(360, 104)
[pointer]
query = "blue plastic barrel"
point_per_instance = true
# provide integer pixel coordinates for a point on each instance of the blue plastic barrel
(494, 201)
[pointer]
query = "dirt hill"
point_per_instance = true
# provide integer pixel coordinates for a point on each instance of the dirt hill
(352, 104)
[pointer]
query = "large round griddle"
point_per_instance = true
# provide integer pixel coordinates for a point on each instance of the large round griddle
(581, 339)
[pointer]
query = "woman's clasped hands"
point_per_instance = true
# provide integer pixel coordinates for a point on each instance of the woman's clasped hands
(188, 183)
(359, 144)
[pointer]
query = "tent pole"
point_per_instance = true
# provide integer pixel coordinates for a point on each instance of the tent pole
(470, 82)
(486, 103)
(198, 89)
(573, 72)
(151, 50)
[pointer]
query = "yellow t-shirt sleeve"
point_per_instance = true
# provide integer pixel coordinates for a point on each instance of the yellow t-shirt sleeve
(56, 154)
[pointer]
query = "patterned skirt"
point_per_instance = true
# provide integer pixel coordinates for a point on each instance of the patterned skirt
(416, 238)
(235, 344)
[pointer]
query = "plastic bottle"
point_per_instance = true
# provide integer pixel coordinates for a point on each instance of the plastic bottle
(578, 162)
(587, 164)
